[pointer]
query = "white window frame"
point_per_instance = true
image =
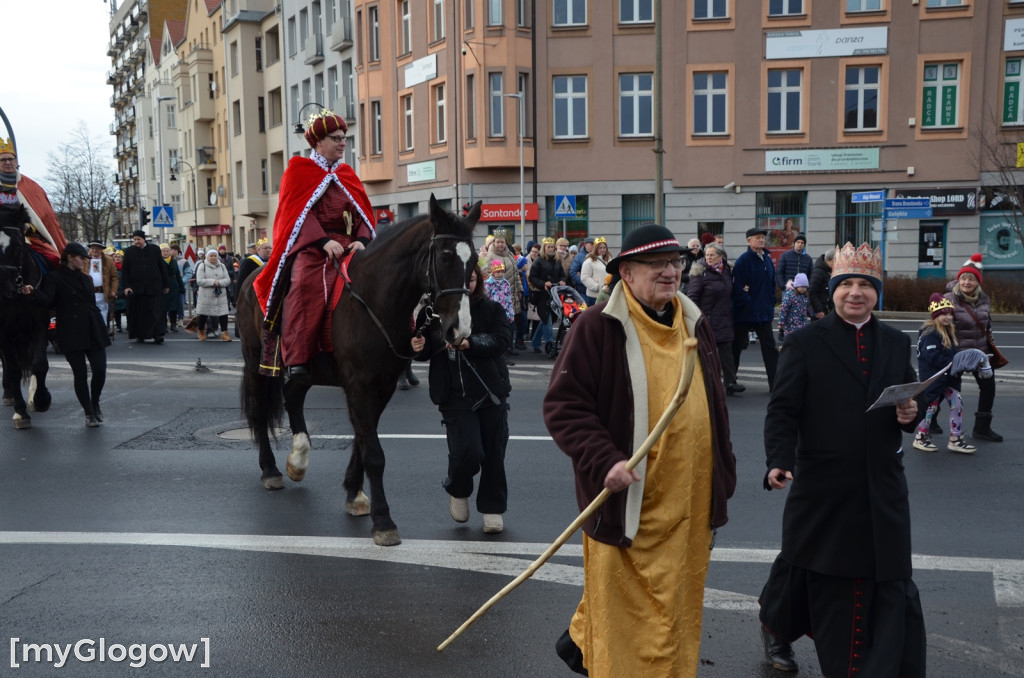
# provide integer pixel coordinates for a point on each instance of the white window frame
(408, 122)
(438, 20)
(634, 9)
(522, 15)
(632, 97)
(569, 99)
(406, 21)
(711, 94)
(862, 88)
(376, 142)
(937, 4)
(303, 27)
(569, 13)
(373, 21)
(710, 13)
(172, 116)
(783, 91)
(440, 114)
(468, 15)
(943, 81)
(470, 93)
(1014, 76)
(496, 99)
(854, 6)
(495, 11)
(787, 8)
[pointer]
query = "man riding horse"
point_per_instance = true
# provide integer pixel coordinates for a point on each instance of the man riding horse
(44, 234)
(324, 214)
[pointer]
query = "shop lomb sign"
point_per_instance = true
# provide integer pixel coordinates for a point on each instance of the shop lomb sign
(945, 201)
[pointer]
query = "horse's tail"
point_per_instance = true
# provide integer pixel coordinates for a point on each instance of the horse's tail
(262, 400)
(262, 397)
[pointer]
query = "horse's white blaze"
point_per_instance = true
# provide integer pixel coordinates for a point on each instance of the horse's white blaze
(5, 241)
(464, 252)
(299, 457)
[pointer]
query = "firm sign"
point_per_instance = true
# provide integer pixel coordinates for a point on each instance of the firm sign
(821, 160)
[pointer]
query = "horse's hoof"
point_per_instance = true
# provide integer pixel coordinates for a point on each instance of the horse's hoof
(8, 401)
(22, 422)
(387, 538)
(360, 506)
(41, 404)
(273, 483)
(296, 474)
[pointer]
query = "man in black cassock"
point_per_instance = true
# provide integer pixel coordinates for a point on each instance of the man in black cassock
(144, 276)
(844, 574)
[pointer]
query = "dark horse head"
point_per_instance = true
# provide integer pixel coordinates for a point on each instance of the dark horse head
(12, 248)
(450, 263)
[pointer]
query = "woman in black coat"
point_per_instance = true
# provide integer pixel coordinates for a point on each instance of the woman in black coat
(545, 272)
(81, 330)
(469, 383)
(710, 287)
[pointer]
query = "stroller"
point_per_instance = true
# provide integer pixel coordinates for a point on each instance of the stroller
(566, 305)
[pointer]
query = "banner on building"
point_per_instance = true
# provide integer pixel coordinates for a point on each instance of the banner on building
(840, 42)
(945, 201)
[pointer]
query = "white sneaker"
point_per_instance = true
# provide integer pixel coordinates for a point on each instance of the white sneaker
(493, 524)
(459, 508)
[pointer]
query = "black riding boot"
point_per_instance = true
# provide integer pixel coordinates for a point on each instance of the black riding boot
(983, 427)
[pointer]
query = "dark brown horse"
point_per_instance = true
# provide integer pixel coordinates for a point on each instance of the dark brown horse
(429, 255)
(23, 324)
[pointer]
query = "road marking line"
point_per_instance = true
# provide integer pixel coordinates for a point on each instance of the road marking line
(487, 557)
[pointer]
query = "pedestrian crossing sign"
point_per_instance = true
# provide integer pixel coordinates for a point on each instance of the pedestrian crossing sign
(163, 216)
(565, 205)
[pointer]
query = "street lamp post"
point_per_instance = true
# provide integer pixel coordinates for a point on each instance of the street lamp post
(195, 202)
(299, 127)
(160, 151)
(522, 134)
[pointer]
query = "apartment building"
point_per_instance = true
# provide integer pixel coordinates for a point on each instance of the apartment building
(776, 113)
(134, 26)
(199, 84)
(257, 138)
(318, 67)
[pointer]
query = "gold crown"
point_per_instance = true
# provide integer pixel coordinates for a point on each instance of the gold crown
(548, 241)
(598, 241)
(862, 261)
(119, 252)
(941, 305)
(324, 113)
(261, 241)
(7, 146)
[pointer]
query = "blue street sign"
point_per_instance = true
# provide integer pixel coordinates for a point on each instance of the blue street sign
(868, 196)
(565, 206)
(163, 216)
(908, 203)
(912, 213)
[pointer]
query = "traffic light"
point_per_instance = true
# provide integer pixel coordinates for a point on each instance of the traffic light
(465, 209)
(143, 216)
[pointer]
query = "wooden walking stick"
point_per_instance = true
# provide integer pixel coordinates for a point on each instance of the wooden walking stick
(689, 362)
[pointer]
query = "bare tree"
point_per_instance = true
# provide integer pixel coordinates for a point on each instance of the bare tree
(81, 189)
(1000, 164)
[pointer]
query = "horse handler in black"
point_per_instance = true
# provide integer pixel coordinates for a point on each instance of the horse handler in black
(81, 329)
(469, 384)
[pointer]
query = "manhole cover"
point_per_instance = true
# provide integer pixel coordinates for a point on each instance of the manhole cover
(243, 433)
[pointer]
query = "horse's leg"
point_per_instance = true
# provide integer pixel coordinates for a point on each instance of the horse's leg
(356, 502)
(8, 390)
(298, 458)
(365, 414)
(21, 416)
(39, 397)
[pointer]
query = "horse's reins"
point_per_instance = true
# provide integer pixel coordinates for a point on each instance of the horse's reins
(433, 287)
(19, 280)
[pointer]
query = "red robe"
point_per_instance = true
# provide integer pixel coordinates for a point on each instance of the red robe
(48, 239)
(301, 186)
(314, 204)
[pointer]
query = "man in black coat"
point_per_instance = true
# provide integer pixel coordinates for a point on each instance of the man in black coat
(844, 574)
(144, 275)
(794, 261)
(821, 302)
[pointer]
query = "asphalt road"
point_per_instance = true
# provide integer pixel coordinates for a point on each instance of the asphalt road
(154, 530)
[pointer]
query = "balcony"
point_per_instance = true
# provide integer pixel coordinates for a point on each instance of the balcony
(340, 35)
(111, 77)
(314, 50)
(112, 51)
(205, 158)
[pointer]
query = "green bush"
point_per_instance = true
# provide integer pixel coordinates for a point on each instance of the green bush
(904, 293)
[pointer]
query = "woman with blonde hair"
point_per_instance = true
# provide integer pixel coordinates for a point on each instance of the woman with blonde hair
(593, 272)
(564, 256)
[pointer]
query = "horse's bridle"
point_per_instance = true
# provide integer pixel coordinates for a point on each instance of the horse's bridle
(19, 280)
(434, 291)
